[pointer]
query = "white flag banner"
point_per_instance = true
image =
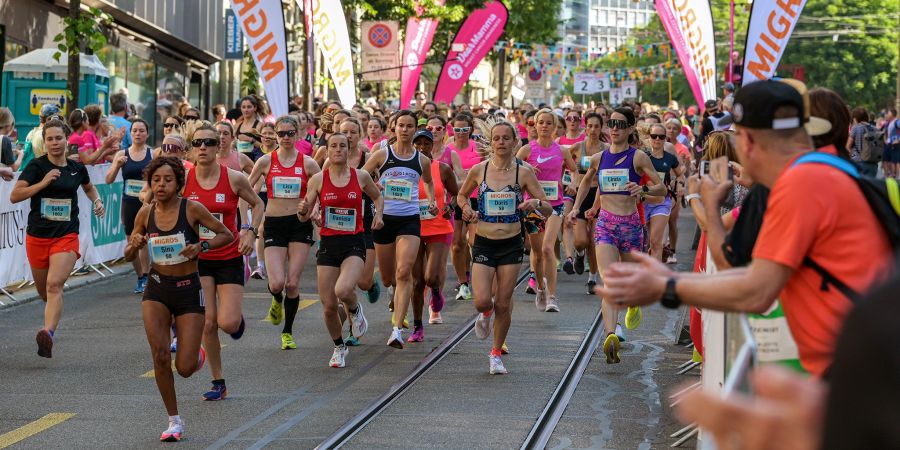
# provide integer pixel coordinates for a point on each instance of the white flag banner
(771, 26)
(263, 25)
(330, 29)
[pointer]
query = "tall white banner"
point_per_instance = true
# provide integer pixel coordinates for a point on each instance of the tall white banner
(330, 30)
(263, 24)
(771, 25)
(690, 28)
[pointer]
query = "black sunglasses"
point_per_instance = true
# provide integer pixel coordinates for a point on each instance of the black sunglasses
(658, 137)
(168, 125)
(289, 133)
(209, 142)
(171, 148)
(618, 124)
(191, 117)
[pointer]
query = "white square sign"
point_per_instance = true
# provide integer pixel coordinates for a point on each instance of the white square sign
(603, 82)
(615, 96)
(585, 83)
(629, 89)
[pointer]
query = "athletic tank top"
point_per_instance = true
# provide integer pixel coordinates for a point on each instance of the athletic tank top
(400, 183)
(468, 156)
(616, 170)
(548, 164)
(342, 207)
(368, 204)
(165, 247)
(286, 181)
(222, 202)
(500, 206)
(447, 156)
(584, 160)
(133, 176)
(232, 161)
(434, 225)
(566, 140)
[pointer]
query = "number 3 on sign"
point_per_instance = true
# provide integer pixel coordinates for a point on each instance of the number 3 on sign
(585, 83)
(603, 83)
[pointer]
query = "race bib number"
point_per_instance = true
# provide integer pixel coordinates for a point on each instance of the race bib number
(551, 190)
(424, 210)
(613, 180)
(59, 210)
(340, 219)
(567, 178)
(245, 147)
(207, 234)
(585, 162)
(286, 187)
(166, 250)
(500, 203)
(133, 188)
(396, 189)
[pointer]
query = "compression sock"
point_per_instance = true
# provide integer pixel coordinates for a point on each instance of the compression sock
(338, 342)
(278, 296)
(291, 305)
(417, 323)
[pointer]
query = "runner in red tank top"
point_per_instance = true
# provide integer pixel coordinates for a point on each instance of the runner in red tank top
(221, 270)
(340, 261)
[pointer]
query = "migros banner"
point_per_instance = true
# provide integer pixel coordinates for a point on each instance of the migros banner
(330, 31)
(771, 25)
(263, 24)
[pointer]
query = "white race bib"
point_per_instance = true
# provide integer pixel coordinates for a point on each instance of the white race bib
(58, 210)
(585, 163)
(551, 189)
(207, 234)
(286, 187)
(340, 219)
(613, 180)
(500, 203)
(166, 250)
(424, 210)
(245, 147)
(397, 189)
(133, 188)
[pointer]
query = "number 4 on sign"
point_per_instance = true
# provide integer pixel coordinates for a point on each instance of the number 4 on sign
(629, 89)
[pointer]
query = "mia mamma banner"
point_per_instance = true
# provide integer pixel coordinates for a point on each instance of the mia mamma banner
(690, 28)
(330, 31)
(263, 24)
(475, 38)
(419, 34)
(771, 25)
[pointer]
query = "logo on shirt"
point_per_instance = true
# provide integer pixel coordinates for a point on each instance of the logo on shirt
(220, 198)
(330, 196)
(541, 160)
(298, 170)
(351, 195)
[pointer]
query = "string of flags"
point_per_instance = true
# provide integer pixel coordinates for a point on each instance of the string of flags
(527, 52)
(643, 74)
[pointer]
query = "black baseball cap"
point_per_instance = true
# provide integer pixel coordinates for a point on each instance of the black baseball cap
(710, 104)
(425, 134)
(755, 105)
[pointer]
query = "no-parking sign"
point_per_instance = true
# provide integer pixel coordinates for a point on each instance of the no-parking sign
(380, 50)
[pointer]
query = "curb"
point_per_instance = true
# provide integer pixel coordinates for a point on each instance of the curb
(72, 287)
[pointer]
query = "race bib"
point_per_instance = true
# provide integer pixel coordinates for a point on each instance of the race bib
(551, 190)
(424, 210)
(245, 147)
(59, 210)
(166, 250)
(500, 203)
(662, 177)
(613, 180)
(396, 189)
(133, 188)
(585, 162)
(340, 219)
(286, 187)
(567, 178)
(207, 234)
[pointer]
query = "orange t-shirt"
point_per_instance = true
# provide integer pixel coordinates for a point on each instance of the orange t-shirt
(819, 211)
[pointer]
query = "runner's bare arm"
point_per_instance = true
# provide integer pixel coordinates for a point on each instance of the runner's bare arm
(260, 169)
(448, 178)
(308, 203)
(529, 183)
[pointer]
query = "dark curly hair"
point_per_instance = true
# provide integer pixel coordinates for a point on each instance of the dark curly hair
(176, 165)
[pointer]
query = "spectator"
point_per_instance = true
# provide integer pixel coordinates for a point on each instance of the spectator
(716, 120)
(87, 145)
(9, 155)
(118, 108)
(728, 93)
(891, 160)
(34, 141)
(218, 113)
(861, 126)
(828, 105)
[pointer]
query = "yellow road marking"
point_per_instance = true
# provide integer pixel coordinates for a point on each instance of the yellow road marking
(33, 428)
(305, 303)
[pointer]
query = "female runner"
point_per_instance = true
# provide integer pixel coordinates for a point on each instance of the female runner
(658, 209)
(567, 141)
(228, 156)
(437, 125)
(375, 132)
(269, 145)
(463, 233)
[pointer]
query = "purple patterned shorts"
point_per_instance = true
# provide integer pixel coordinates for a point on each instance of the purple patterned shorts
(623, 232)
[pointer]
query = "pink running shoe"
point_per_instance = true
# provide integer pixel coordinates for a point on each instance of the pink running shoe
(532, 286)
(418, 335)
(437, 300)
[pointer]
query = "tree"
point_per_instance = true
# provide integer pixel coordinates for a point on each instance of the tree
(82, 31)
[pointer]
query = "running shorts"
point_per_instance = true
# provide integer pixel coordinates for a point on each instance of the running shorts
(498, 252)
(535, 224)
(38, 249)
(446, 238)
(395, 226)
(280, 231)
(182, 295)
(894, 153)
(129, 213)
(587, 204)
(658, 209)
(223, 271)
(333, 250)
(623, 232)
(369, 240)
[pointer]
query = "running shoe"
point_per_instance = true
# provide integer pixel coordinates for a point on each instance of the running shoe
(258, 274)
(579, 262)
(201, 359)
(358, 323)
(396, 339)
(173, 347)
(504, 349)
(611, 348)
(465, 292)
(633, 317)
(351, 341)
(437, 300)
(287, 341)
(591, 284)
(418, 334)
(484, 325)
(45, 343)
(540, 300)
(391, 297)
(174, 432)
(375, 291)
(672, 259)
(497, 366)
(569, 266)
(531, 289)
(552, 304)
(435, 318)
(276, 312)
(240, 331)
(339, 357)
(218, 392)
(620, 333)
(141, 284)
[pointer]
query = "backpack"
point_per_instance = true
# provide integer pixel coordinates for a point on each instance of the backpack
(872, 145)
(882, 195)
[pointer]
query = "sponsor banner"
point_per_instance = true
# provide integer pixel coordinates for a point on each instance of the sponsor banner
(475, 37)
(234, 37)
(419, 34)
(381, 50)
(13, 222)
(263, 24)
(330, 32)
(690, 29)
(770, 28)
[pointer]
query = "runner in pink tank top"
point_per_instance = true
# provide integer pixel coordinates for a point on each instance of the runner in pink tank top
(462, 126)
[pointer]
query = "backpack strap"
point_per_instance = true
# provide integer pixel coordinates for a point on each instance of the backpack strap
(829, 279)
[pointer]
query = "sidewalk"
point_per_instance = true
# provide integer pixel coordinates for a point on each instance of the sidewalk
(28, 293)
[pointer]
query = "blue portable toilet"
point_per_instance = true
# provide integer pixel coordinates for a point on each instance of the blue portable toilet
(36, 78)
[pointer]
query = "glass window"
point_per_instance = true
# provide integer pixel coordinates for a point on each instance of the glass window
(140, 85)
(14, 50)
(170, 89)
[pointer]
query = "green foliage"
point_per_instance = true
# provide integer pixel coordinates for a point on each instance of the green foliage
(250, 77)
(81, 33)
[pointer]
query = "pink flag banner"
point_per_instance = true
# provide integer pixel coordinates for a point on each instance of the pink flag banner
(419, 34)
(474, 39)
(690, 29)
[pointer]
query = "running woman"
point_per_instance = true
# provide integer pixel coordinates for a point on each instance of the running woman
(548, 161)
(375, 132)
(582, 153)
(269, 145)
(499, 249)
(619, 231)
(132, 162)
(169, 228)
(430, 269)
(227, 155)
(463, 233)
(397, 243)
(340, 260)
(568, 141)
(172, 124)
(288, 239)
(219, 188)
(437, 125)
(51, 182)
(658, 209)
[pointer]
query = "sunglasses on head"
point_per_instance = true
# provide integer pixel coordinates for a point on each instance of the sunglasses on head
(209, 142)
(435, 128)
(289, 133)
(658, 137)
(462, 130)
(619, 124)
(171, 148)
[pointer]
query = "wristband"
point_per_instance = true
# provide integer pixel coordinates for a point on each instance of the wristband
(690, 197)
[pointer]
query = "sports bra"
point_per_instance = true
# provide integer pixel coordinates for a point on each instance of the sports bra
(616, 170)
(500, 206)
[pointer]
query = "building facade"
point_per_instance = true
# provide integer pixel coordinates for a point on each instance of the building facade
(599, 25)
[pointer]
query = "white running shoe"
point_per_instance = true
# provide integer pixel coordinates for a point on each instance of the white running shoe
(540, 300)
(435, 318)
(497, 366)
(396, 339)
(620, 333)
(552, 304)
(175, 431)
(672, 259)
(358, 322)
(339, 357)
(465, 292)
(484, 325)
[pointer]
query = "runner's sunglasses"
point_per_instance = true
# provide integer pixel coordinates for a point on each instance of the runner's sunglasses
(209, 142)
(462, 129)
(288, 133)
(658, 137)
(171, 148)
(618, 124)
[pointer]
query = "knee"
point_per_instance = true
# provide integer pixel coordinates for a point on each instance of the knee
(276, 285)
(330, 309)
(433, 280)
(210, 327)
(502, 309)
(162, 358)
(404, 273)
(291, 286)
(548, 249)
(187, 369)
(54, 287)
(344, 292)
(228, 326)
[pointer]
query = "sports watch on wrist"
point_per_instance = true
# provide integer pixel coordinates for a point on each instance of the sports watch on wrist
(670, 297)
(204, 246)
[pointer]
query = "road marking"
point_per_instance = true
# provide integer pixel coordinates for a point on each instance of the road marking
(305, 303)
(33, 428)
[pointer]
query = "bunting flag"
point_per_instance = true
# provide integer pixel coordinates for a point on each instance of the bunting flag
(770, 28)
(419, 33)
(690, 29)
(263, 25)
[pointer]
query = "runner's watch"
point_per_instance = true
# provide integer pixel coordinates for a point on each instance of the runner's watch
(670, 297)
(204, 246)
(252, 230)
